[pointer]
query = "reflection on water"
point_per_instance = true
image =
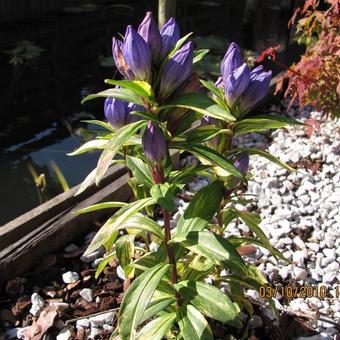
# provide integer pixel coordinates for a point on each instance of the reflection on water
(57, 58)
(18, 190)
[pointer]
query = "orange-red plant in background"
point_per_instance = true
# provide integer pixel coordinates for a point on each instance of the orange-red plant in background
(315, 79)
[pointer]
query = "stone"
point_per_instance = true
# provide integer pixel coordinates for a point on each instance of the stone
(92, 256)
(120, 273)
(70, 277)
(70, 248)
(255, 322)
(297, 241)
(84, 323)
(330, 254)
(313, 246)
(305, 199)
(299, 274)
(97, 262)
(299, 257)
(38, 304)
(329, 277)
(64, 334)
(12, 333)
(94, 334)
(101, 319)
(86, 293)
(108, 328)
(285, 272)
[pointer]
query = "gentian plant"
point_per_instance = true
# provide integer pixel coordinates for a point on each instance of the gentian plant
(159, 107)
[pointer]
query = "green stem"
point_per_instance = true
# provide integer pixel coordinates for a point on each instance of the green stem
(169, 248)
(158, 177)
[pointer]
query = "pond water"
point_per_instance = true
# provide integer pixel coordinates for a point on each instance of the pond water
(50, 62)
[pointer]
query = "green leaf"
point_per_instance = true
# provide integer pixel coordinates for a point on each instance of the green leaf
(142, 222)
(239, 241)
(210, 301)
(210, 155)
(179, 44)
(252, 220)
(264, 122)
(265, 154)
(214, 247)
(203, 133)
(100, 123)
(199, 55)
(217, 91)
(140, 88)
(100, 206)
(89, 180)
(118, 139)
(140, 170)
(122, 94)
(185, 175)
(125, 249)
(109, 230)
(193, 325)
(158, 303)
(96, 144)
(201, 209)
(157, 328)
(136, 300)
(202, 104)
(164, 195)
(104, 263)
(146, 115)
(197, 269)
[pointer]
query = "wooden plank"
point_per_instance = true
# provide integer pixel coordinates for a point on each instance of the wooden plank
(58, 231)
(24, 224)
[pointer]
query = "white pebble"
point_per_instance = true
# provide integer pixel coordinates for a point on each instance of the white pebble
(70, 277)
(86, 293)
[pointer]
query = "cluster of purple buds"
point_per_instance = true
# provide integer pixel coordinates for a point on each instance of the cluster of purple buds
(242, 86)
(142, 51)
(117, 112)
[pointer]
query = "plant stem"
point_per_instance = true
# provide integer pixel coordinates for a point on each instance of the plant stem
(169, 248)
(158, 177)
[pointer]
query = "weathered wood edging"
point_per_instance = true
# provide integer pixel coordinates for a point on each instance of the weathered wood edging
(53, 224)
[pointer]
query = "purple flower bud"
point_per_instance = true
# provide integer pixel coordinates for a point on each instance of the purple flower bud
(121, 65)
(133, 118)
(115, 112)
(137, 54)
(170, 35)
(256, 71)
(256, 90)
(241, 163)
(148, 30)
(231, 61)
(176, 70)
(236, 84)
(154, 143)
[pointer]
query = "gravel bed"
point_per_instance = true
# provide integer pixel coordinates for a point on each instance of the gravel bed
(300, 215)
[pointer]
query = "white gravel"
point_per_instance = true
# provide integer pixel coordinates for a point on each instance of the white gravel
(300, 211)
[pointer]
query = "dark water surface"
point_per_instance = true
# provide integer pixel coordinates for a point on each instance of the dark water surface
(67, 56)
